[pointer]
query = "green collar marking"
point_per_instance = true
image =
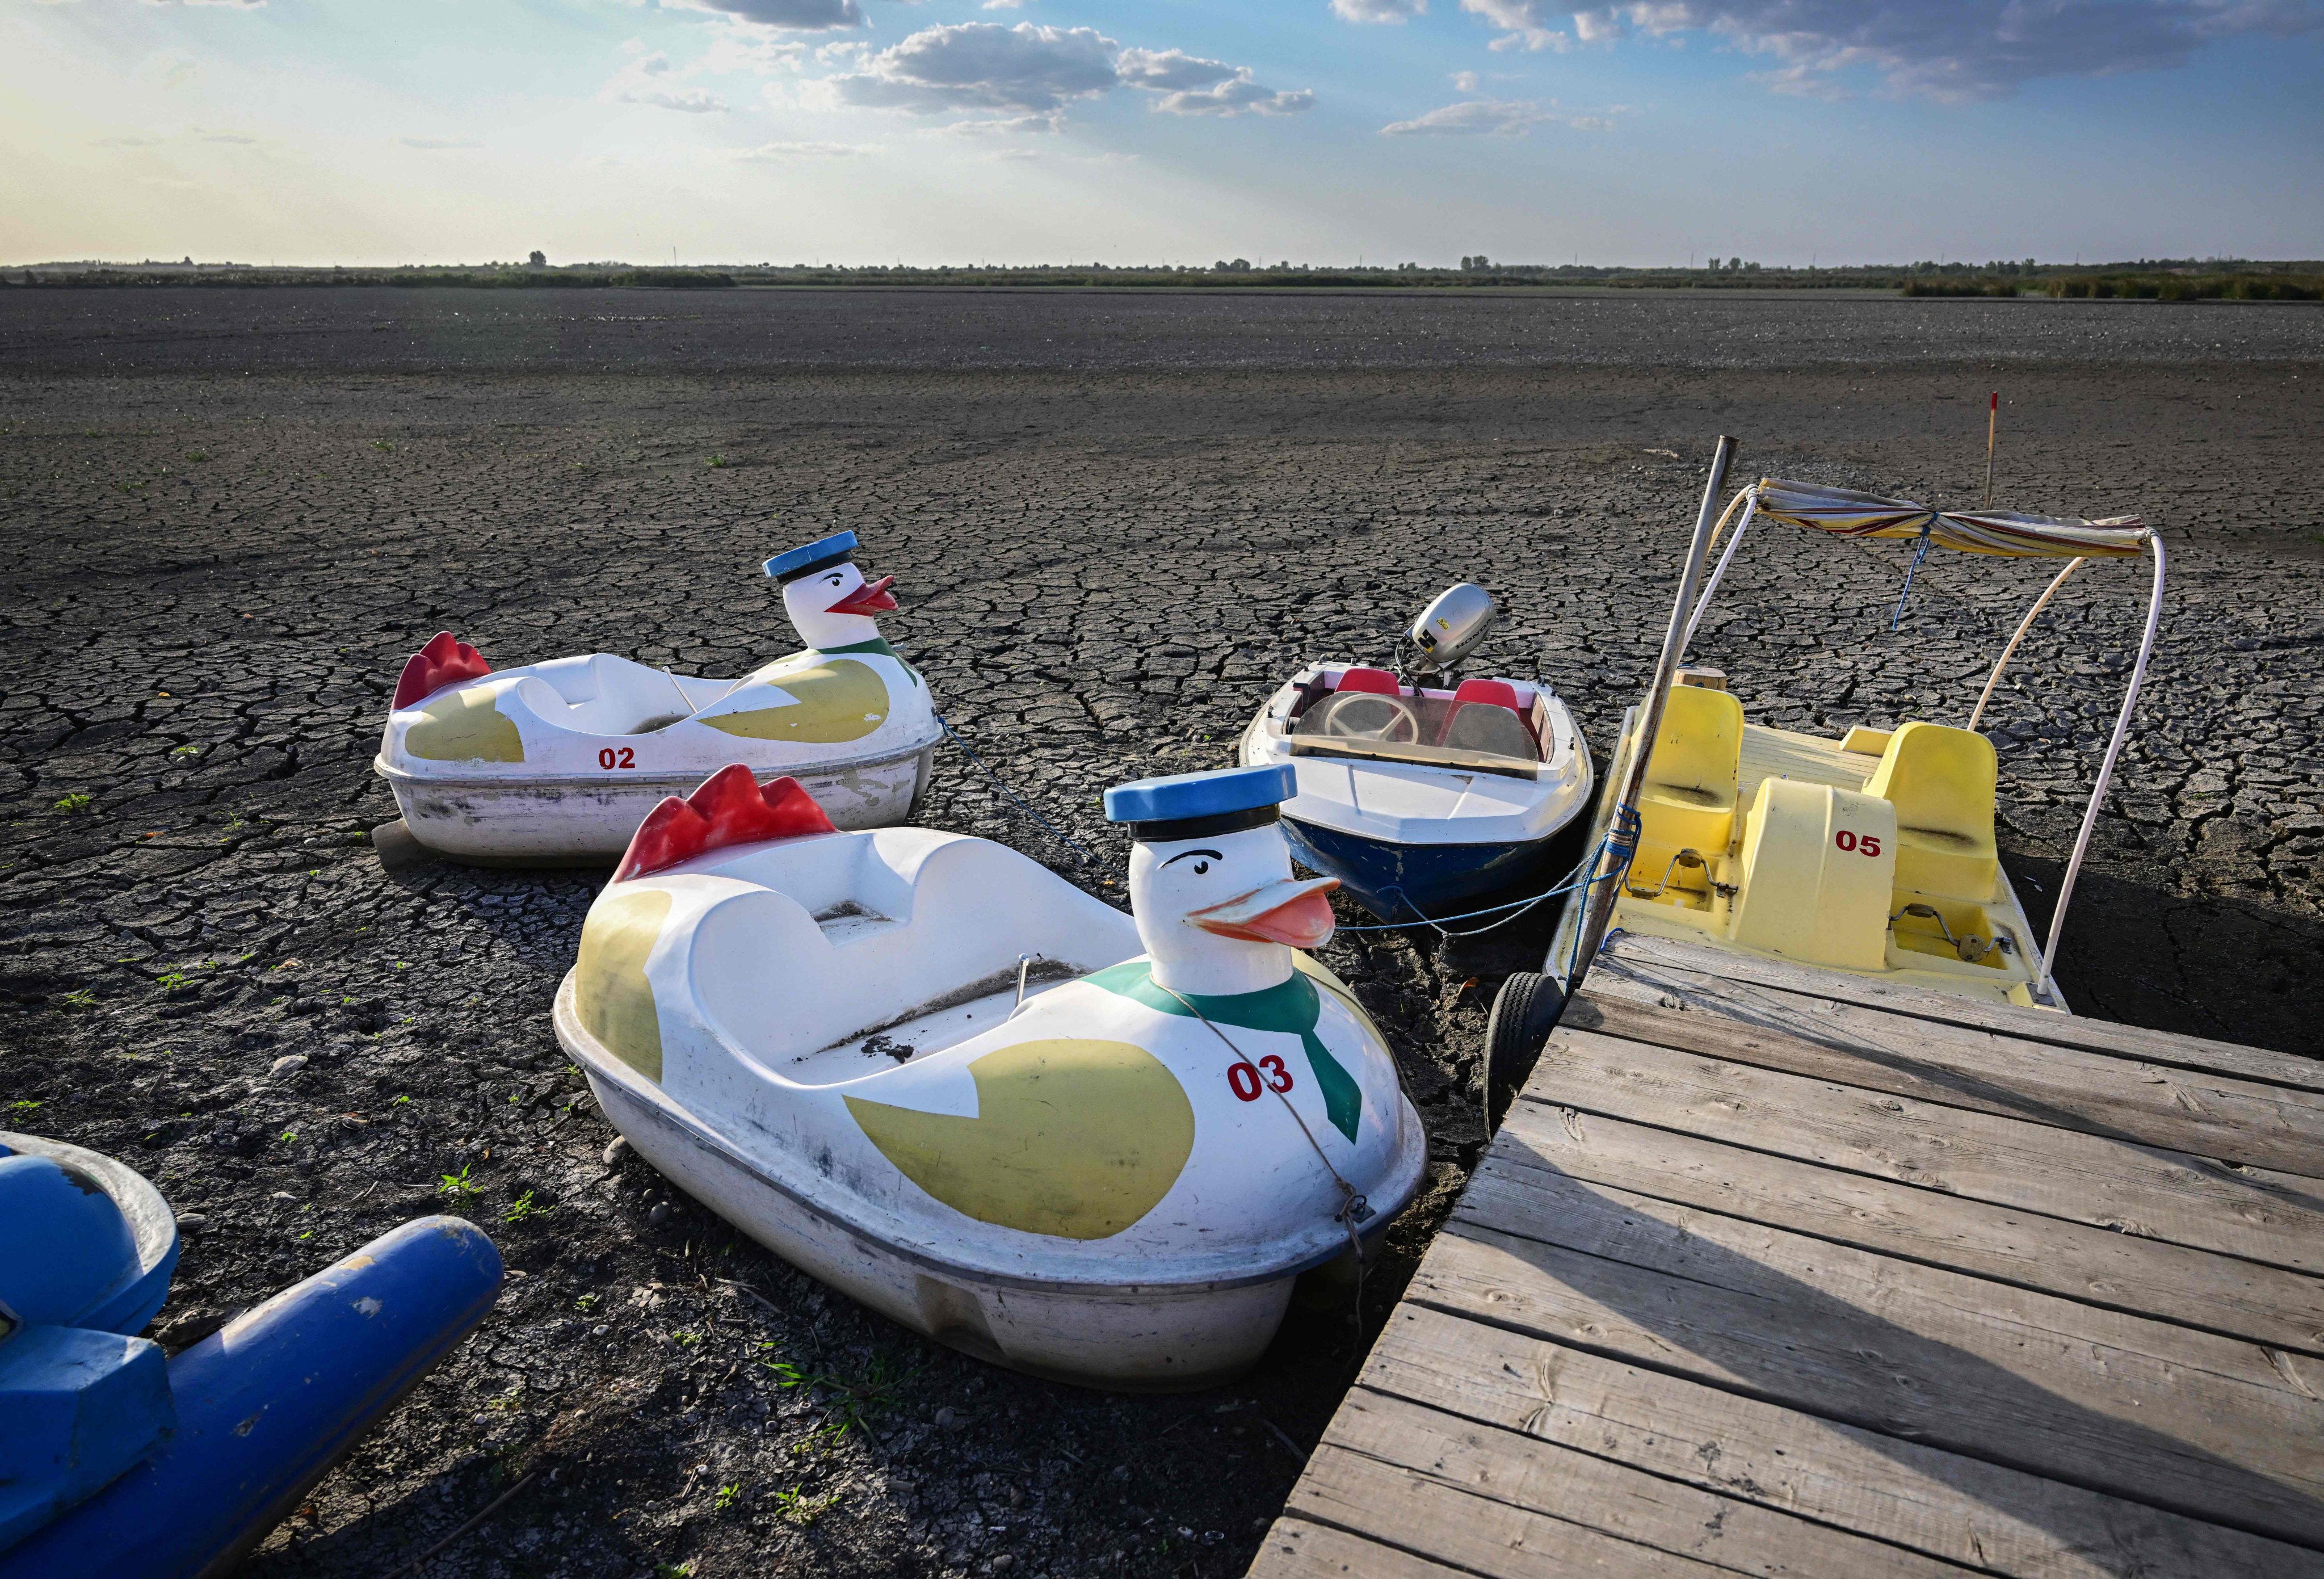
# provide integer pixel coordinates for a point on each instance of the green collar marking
(1291, 1007)
(879, 645)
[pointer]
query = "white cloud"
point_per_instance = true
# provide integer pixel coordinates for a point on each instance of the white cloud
(787, 15)
(436, 142)
(1385, 11)
(982, 65)
(744, 51)
(1030, 73)
(650, 80)
(1464, 81)
(692, 101)
(1525, 23)
(1498, 117)
(1955, 50)
(1235, 98)
(1009, 125)
(1190, 85)
(791, 153)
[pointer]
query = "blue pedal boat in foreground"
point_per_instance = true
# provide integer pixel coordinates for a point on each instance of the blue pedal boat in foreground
(115, 1462)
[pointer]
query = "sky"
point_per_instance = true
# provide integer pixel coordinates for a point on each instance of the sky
(1324, 132)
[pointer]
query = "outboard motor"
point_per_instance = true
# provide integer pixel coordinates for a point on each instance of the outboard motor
(1453, 627)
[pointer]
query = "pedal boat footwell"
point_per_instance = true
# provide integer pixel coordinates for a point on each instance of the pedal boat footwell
(820, 1038)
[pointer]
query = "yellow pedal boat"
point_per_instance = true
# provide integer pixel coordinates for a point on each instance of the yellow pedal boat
(1873, 854)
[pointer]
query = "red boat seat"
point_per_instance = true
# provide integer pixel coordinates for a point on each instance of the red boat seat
(1377, 680)
(1484, 716)
(1500, 693)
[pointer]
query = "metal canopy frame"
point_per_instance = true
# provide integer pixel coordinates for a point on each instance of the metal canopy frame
(2122, 532)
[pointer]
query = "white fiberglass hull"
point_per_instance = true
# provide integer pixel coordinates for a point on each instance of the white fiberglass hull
(1157, 1336)
(503, 818)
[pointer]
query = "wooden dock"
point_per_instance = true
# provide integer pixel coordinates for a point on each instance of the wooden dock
(1780, 1272)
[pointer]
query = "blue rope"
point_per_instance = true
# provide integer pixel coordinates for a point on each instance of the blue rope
(1920, 552)
(1622, 843)
(1610, 844)
(1085, 858)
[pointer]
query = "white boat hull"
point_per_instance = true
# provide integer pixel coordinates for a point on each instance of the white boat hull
(508, 820)
(1133, 1338)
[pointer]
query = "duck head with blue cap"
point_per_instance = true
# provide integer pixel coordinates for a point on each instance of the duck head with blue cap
(830, 604)
(1211, 883)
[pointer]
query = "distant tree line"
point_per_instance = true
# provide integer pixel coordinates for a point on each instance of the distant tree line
(2164, 280)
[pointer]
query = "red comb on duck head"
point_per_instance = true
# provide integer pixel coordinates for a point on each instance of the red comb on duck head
(446, 660)
(728, 807)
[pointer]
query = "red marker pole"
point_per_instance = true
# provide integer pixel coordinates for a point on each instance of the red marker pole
(1992, 420)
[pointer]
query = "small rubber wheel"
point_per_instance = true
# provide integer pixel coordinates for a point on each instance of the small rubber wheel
(1525, 1012)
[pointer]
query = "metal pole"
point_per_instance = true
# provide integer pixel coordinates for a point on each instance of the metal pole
(1749, 499)
(2023, 625)
(1606, 882)
(2106, 771)
(1992, 421)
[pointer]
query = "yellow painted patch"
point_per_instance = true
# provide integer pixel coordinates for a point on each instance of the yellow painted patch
(611, 993)
(465, 726)
(1322, 976)
(1076, 1139)
(835, 701)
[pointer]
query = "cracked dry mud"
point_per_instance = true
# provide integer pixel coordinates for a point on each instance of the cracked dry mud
(1115, 520)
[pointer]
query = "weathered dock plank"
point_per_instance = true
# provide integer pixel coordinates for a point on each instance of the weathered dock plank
(1779, 1273)
(2102, 1266)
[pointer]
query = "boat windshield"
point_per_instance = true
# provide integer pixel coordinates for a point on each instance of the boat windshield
(1431, 728)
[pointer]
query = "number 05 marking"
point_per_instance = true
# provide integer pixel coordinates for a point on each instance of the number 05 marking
(1862, 844)
(610, 758)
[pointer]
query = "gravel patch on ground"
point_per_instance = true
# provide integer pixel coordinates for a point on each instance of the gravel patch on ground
(236, 512)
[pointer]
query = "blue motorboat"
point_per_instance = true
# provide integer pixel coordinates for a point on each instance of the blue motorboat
(113, 1461)
(1427, 800)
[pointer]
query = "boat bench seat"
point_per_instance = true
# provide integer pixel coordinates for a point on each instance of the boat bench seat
(1687, 802)
(1941, 782)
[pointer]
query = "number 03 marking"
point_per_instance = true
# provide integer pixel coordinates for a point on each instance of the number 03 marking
(610, 758)
(1245, 1079)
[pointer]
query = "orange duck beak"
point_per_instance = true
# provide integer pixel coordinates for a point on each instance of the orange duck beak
(870, 598)
(1293, 911)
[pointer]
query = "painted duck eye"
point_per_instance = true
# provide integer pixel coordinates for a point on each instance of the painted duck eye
(1202, 868)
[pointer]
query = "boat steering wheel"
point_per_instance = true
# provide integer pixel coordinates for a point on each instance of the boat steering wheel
(1368, 715)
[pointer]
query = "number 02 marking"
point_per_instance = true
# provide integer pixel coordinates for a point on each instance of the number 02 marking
(1245, 1080)
(1862, 844)
(610, 758)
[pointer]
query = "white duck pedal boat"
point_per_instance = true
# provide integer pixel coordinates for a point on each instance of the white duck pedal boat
(559, 761)
(1420, 799)
(931, 1073)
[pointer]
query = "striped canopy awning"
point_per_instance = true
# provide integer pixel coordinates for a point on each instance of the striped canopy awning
(1847, 514)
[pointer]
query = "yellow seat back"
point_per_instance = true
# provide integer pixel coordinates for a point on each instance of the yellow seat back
(1699, 747)
(1688, 799)
(1941, 781)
